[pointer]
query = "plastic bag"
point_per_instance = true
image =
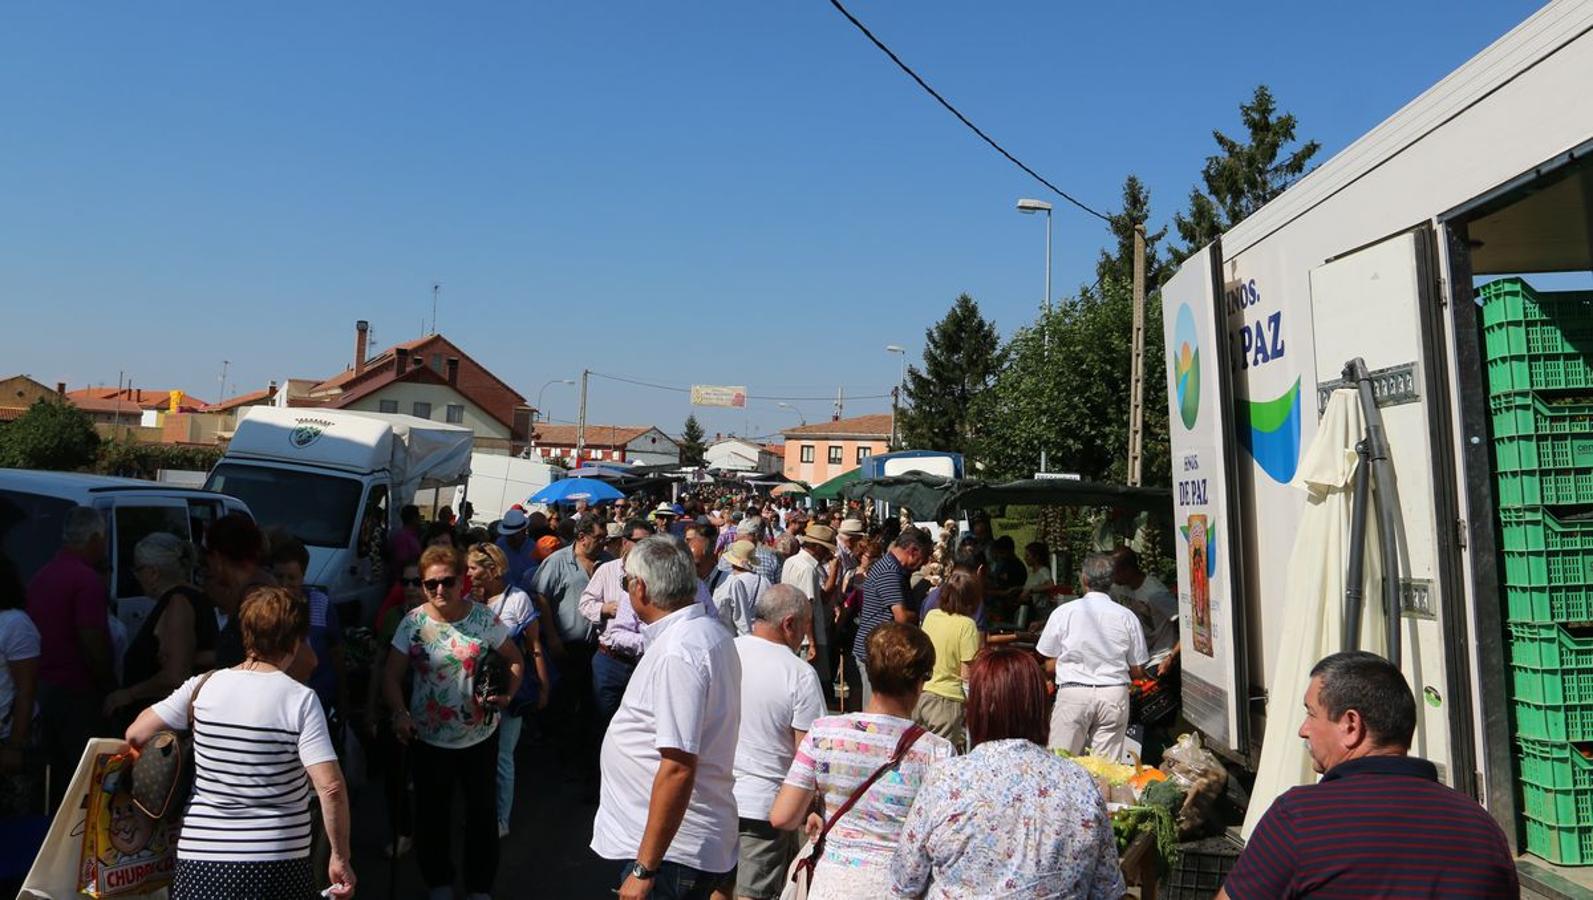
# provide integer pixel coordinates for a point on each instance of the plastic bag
(1198, 770)
(124, 851)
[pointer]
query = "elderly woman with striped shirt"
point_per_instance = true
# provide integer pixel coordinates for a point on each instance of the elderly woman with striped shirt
(260, 743)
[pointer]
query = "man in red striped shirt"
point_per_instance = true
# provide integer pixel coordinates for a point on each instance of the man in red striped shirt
(1378, 824)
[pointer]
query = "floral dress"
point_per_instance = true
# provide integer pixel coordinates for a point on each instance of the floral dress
(443, 656)
(1008, 820)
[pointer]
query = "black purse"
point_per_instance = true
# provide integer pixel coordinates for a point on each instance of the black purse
(491, 679)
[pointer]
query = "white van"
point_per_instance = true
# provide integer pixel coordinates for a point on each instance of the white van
(33, 507)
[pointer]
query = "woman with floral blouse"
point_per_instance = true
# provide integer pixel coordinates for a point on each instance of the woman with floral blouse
(452, 732)
(1009, 819)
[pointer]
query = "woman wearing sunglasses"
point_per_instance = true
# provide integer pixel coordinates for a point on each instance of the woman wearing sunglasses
(452, 734)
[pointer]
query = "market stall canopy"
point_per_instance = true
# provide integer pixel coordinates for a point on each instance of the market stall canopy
(831, 490)
(1064, 492)
(790, 487)
(928, 496)
(934, 497)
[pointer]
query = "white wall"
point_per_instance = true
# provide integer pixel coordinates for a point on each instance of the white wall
(652, 448)
(439, 396)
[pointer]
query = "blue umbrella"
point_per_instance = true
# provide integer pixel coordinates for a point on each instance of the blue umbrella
(568, 490)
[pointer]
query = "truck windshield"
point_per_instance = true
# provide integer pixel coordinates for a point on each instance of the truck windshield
(317, 509)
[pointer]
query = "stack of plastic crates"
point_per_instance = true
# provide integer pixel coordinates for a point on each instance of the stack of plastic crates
(1539, 352)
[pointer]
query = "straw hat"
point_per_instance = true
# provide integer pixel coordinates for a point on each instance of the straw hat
(823, 535)
(742, 555)
(852, 527)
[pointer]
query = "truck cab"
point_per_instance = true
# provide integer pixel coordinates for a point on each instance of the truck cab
(336, 480)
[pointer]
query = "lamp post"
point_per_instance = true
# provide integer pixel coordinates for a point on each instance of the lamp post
(896, 395)
(800, 417)
(568, 381)
(1030, 207)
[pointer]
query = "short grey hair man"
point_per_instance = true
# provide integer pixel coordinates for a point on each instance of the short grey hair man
(750, 528)
(1097, 571)
(82, 525)
(664, 566)
(781, 601)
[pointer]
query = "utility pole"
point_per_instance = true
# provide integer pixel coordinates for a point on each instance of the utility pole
(435, 288)
(580, 425)
(840, 403)
(1136, 380)
(223, 381)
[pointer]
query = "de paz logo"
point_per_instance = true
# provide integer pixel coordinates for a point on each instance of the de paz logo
(1186, 366)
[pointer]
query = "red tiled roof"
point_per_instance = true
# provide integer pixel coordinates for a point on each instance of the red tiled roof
(605, 436)
(142, 398)
(475, 383)
(776, 449)
(250, 399)
(8, 413)
(874, 425)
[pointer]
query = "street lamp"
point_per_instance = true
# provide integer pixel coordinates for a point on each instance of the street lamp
(568, 381)
(896, 395)
(1029, 208)
(804, 419)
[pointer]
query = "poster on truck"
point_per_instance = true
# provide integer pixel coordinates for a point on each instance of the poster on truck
(1205, 504)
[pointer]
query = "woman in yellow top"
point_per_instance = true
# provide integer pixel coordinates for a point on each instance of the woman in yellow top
(951, 628)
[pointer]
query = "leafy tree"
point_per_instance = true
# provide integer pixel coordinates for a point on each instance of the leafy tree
(50, 435)
(1245, 175)
(1065, 390)
(1118, 262)
(962, 354)
(138, 459)
(692, 447)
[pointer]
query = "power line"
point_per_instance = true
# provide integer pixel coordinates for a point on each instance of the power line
(684, 390)
(964, 119)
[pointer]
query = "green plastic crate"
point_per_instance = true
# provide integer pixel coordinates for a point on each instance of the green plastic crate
(1558, 722)
(1551, 604)
(1545, 487)
(1541, 550)
(1549, 647)
(1529, 414)
(1553, 687)
(1508, 301)
(1566, 845)
(1524, 454)
(1536, 340)
(1556, 783)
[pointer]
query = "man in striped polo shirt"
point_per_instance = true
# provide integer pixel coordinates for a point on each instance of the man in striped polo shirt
(1378, 824)
(887, 593)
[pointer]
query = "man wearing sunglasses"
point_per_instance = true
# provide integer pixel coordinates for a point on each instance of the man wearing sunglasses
(606, 604)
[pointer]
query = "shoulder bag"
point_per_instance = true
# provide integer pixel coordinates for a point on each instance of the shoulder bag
(161, 770)
(801, 871)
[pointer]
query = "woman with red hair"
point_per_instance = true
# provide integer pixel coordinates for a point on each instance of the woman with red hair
(1010, 818)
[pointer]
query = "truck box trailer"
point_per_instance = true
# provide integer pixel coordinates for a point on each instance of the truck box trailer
(1374, 256)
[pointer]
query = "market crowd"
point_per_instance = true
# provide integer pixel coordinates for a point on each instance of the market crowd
(740, 683)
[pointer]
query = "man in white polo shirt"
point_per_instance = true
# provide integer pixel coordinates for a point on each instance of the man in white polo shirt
(1096, 648)
(668, 807)
(780, 698)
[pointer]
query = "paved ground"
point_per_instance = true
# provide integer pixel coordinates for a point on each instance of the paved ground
(545, 854)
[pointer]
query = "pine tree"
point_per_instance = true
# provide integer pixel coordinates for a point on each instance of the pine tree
(1244, 176)
(692, 447)
(962, 354)
(1118, 265)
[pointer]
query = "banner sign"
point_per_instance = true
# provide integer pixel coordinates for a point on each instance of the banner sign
(719, 395)
(1205, 505)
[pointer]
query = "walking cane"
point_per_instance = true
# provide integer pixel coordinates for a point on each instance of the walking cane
(392, 814)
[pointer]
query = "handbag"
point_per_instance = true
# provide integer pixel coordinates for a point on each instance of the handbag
(161, 771)
(801, 871)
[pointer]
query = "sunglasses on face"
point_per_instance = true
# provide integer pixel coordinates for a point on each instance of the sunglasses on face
(432, 584)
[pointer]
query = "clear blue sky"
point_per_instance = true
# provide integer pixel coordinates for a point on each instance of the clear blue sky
(719, 192)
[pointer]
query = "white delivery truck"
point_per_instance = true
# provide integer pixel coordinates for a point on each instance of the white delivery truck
(498, 482)
(1374, 257)
(337, 480)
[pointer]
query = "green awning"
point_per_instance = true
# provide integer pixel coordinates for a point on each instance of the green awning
(831, 490)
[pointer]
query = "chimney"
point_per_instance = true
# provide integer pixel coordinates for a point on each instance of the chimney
(60, 389)
(520, 430)
(271, 389)
(362, 331)
(400, 362)
(453, 370)
(139, 396)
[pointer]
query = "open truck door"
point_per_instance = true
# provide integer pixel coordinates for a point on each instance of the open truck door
(1384, 304)
(1206, 514)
